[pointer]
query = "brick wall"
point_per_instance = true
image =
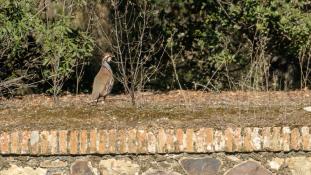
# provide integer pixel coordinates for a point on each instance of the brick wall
(139, 141)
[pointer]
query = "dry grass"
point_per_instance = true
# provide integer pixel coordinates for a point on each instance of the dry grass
(170, 110)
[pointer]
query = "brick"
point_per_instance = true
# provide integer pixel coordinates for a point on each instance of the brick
(219, 141)
(4, 142)
(83, 142)
(266, 134)
(237, 140)
(103, 140)
(306, 138)
(53, 142)
(44, 142)
(142, 141)
(190, 139)
(285, 138)
(63, 142)
(112, 141)
(132, 141)
(170, 147)
(209, 139)
(93, 141)
(295, 139)
(247, 138)
(15, 143)
(34, 142)
(201, 140)
(229, 140)
(276, 139)
(161, 141)
(25, 139)
(180, 140)
(152, 142)
(122, 141)
(73, 142)
(256, 139)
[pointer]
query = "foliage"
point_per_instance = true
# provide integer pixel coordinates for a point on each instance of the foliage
(49, 47)
(19, 54)
(208, 45)
(62, 48)
(218, 42)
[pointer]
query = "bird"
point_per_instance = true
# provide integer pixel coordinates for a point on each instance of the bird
(103, 80)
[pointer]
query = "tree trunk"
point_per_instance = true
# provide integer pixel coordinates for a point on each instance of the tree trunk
(133, 100)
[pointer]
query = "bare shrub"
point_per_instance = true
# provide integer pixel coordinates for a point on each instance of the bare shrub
(137, 52)
(257, 75)
(305, 63)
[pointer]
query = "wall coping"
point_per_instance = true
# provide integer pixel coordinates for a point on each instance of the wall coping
(155, 141)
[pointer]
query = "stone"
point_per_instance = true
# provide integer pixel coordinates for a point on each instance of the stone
(53, 164)
(56, 172)
(234, 158)
(159, 172)
(276, 163)
(200, 166)
(15, 170)
(117, 167)
(299, 165)
(248, 168)
(308, 108)
(82, 167)
(4, 163)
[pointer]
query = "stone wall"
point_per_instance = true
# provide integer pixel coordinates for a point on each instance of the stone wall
(230, 151)
(263, 163)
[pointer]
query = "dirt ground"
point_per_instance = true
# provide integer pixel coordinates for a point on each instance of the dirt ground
(170, 110)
